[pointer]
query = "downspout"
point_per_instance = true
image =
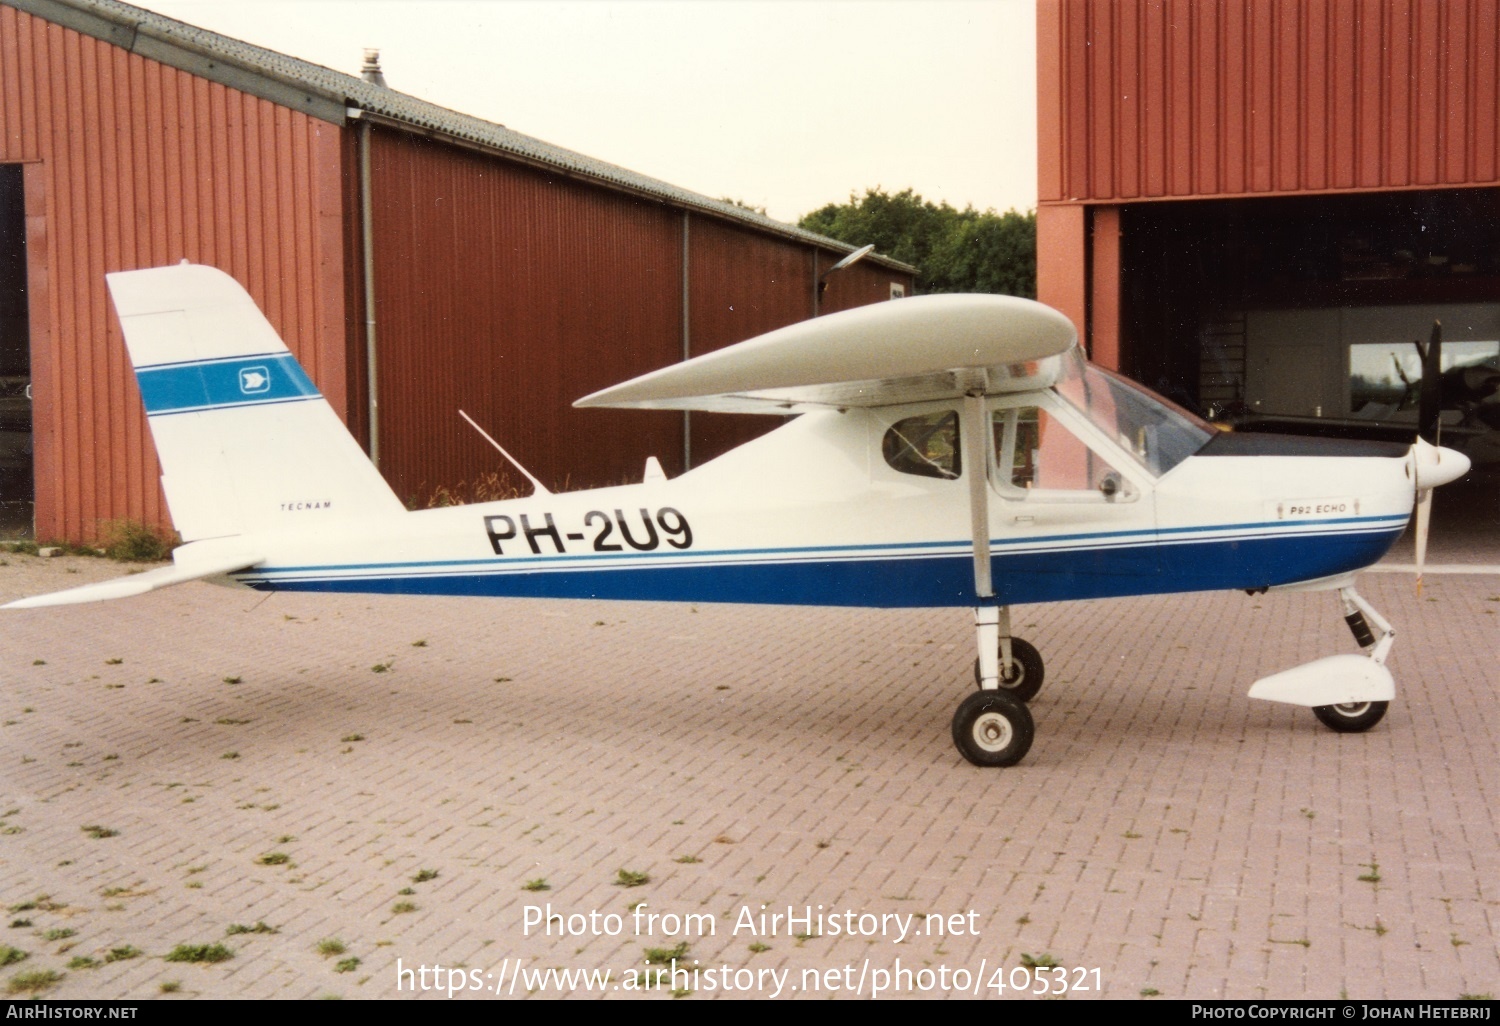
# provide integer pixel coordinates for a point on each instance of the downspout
(367, 246)
(816, 292)
(687, 342)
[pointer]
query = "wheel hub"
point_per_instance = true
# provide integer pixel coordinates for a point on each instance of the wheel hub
(992, 732)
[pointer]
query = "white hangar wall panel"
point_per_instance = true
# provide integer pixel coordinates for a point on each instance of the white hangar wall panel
(129, 163)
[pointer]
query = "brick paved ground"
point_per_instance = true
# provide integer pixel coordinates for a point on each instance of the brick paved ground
(1180, 838)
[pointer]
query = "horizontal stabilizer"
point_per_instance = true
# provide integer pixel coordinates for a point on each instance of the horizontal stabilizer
(909, 350)
(189, 566)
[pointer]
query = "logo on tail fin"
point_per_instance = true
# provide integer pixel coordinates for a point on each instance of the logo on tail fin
(254, 380)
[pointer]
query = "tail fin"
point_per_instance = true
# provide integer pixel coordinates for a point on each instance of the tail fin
(245, 439)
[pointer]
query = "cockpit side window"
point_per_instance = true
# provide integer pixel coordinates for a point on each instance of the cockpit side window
(926, 445)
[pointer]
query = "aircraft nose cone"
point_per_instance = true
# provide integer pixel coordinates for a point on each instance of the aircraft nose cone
(1438, 465)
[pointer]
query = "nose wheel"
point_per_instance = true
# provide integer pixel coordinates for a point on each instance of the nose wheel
(1351, 717)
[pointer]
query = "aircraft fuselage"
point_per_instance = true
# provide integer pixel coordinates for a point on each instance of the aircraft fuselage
(812, 514)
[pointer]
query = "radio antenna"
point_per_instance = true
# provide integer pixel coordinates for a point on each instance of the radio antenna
(541, 489)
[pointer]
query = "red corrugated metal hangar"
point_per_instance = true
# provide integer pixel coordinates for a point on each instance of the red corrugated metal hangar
(474, 267)
(1258, 206)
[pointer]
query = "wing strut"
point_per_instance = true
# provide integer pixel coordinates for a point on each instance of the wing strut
(977, 457)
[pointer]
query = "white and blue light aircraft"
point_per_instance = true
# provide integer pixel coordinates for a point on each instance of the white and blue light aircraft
(951, 451)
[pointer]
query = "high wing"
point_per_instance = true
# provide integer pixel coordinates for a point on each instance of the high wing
(910, 350)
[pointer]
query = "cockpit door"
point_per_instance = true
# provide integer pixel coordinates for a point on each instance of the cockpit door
(1071, 515)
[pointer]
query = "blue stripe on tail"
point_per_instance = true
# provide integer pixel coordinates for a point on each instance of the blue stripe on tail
(200, 385)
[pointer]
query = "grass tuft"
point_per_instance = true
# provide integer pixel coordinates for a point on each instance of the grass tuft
(663, 956)
(209, 953)
(32, 982)
(131, 541)
(490, 486)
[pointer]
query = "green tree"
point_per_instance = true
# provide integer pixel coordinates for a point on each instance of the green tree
(953, 250)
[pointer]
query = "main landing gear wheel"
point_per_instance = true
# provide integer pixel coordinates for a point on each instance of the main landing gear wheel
(1026, 672)
(1353, 717)
(993, 728)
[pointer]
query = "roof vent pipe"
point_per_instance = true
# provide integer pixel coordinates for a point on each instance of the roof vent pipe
(370, 72)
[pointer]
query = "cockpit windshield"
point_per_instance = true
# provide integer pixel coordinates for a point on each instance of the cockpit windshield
(1157, 433)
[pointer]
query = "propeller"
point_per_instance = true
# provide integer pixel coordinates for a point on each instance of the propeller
(1430, 387)
(1424, 521)
(1432, 465)
(1429, 430)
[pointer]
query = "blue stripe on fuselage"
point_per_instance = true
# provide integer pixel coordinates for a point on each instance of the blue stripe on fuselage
(198, 385)
(906, 581)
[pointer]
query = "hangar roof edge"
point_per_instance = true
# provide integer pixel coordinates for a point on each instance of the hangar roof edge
(327, 94)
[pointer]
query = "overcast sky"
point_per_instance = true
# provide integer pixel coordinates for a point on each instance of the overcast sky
(786, 105)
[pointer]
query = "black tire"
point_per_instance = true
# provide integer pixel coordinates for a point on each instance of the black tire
(1026, 673)
(1353, 718)
(991, 728)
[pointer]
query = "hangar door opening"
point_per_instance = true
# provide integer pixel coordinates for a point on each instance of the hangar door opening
(17, 481)
(1306, 310)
